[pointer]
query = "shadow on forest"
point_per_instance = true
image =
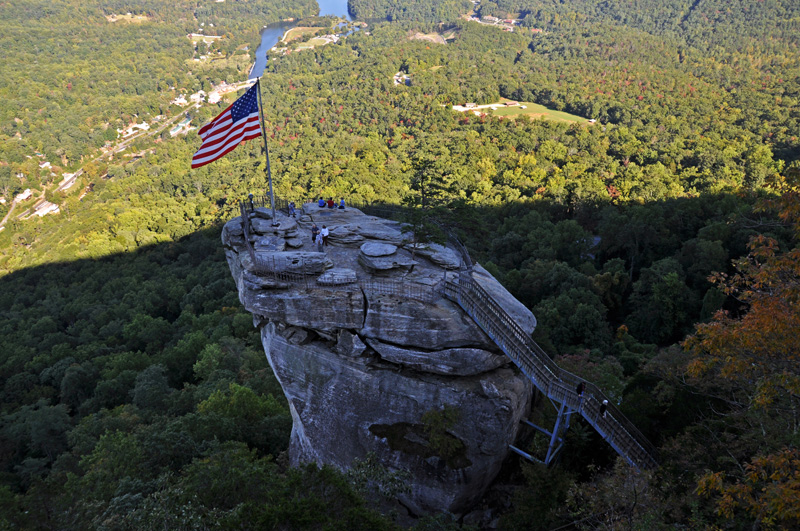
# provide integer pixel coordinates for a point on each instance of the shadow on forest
(585, 272)
(90, 307)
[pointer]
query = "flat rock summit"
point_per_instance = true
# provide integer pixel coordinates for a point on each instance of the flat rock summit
(372, 358)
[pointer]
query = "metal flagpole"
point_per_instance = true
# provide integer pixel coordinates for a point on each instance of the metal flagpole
(266, 151)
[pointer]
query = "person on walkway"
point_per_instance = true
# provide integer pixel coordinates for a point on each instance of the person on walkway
(581, 388)
(292, 210)
(331, 204)
(314, 232)
(341, 204)
(324, 232)
(321, 203)
(603, 408)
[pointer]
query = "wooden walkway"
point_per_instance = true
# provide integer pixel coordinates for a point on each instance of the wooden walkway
(555, 383)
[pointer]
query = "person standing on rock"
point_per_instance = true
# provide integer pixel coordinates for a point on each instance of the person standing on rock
(318, 241)
(314, 233)
(325, 232)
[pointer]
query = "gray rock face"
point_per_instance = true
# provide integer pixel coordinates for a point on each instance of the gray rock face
(294, 243)
(373, 249)
(440, 255)
(270, 243)
(337, 277)
(263, 213)
(233, 228)
(385, 263)
(364, 351)
(261, 226)
(451, 361)
(345, 235)
(366, 229)
(400, 321)
(342, 408)
(295, 261)
(284, 227)
(349, 344)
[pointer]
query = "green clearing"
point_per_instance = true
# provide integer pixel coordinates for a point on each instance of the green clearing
(133, 19)
(534, 110)
(318, 41)
(298, 32)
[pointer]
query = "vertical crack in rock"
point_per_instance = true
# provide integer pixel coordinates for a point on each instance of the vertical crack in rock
(368, 306)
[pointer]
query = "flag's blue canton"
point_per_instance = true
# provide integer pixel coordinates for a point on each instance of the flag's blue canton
(245, 105)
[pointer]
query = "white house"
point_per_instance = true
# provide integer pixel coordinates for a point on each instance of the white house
(46, 208)
(27, 194)
(144, 126)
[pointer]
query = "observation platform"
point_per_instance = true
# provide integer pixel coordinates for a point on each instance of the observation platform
(281, 251)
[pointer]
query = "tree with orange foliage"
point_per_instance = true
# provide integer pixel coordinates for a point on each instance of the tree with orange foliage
(760, 352)
(758, 356)
(769, 491)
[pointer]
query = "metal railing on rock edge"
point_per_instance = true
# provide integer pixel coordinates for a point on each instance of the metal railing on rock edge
(546, 375)
(294, 272)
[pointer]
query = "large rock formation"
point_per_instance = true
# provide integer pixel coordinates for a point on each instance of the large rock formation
(365, 346)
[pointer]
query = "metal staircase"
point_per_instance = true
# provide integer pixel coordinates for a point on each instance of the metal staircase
(558, 385)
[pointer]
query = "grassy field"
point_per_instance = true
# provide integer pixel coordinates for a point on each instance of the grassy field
(207, 38)
(296, 33)
(534, 110)
(316, 41)
(133, 19)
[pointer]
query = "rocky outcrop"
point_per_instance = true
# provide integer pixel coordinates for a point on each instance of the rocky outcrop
(372, 359)
(449, 361)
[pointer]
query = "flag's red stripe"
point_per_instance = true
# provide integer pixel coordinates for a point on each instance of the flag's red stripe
(246, 127)
(224, 115)
(220, 137)
(223, 150)
(214, 136)
(220, 155)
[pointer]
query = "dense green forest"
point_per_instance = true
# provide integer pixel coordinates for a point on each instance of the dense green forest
(427, 11)
(135, 391)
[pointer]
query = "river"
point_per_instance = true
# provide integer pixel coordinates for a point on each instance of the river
(272, 33)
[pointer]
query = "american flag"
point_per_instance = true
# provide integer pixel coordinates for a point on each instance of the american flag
(237, 123)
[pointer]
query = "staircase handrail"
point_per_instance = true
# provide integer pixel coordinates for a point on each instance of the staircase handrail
(556, 382)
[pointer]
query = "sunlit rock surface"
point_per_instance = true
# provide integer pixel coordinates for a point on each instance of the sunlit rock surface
(363, 351)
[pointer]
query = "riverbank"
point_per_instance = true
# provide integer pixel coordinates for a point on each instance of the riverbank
(284, 35)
